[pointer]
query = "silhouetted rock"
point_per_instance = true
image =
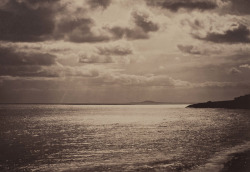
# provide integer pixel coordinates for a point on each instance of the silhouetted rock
(242, 102)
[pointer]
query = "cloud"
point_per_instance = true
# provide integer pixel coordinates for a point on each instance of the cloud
(55, 71)
(29, 64)
(175, 5)
(129, 33)
(26, 71)
(194, 23)
(95, 59)
(106, 54)
(139, 80)
(68, 25)
(238, 34)
(209, 84)
(67, 71)
(99, 3)
(247, 66)
(200, 50)
(143, 25)
(17, 63)
(217, 28)
(11, 57)
(115, 50)
(143, 21)
(234, 70)
(162, 81)
(190, 49)
(84, 29)
(27, 20)
(79, 30)
(36, 21)
(239, 7)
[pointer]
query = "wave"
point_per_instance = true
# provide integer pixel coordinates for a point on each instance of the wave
(217, 162)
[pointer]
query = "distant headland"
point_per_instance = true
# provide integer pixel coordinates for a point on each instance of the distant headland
(242, 102)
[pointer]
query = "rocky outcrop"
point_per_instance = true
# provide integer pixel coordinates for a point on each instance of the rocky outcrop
(242, 102)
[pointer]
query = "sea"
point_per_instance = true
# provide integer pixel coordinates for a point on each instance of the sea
(76, 138)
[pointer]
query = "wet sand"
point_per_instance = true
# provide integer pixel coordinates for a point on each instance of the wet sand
(239, 163)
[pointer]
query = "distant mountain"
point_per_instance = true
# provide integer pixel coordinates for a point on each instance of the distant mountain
(242, 102)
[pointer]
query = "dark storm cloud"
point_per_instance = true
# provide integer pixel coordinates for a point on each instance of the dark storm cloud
(241, 34)
(99, 3)
(175, 5)
(26, 71)
(13, 63)
(33, 21)
(10, 57)
(27, 20)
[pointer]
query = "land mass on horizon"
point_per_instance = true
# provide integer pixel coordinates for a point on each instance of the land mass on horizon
(242, 102)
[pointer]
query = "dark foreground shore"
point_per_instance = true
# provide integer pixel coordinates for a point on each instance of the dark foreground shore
(240, 162)
(242, 102)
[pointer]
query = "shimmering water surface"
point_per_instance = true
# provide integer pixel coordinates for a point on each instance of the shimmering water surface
(119, 138)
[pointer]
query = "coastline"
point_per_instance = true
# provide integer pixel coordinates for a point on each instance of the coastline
(240, 162)
(242, 102)
(234, 159)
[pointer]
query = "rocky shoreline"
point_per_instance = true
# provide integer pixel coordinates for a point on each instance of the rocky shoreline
(240, 162)
(242, 102)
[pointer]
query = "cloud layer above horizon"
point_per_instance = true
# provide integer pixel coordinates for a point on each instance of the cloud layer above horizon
(83, 51)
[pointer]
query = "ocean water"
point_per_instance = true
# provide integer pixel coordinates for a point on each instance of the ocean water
(69, 138)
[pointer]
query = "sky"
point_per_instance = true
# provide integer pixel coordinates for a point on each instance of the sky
(117, 51)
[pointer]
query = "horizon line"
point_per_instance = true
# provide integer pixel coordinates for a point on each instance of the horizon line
(129, 103)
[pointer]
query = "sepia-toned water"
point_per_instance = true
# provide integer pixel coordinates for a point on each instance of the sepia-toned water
(120, 137)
